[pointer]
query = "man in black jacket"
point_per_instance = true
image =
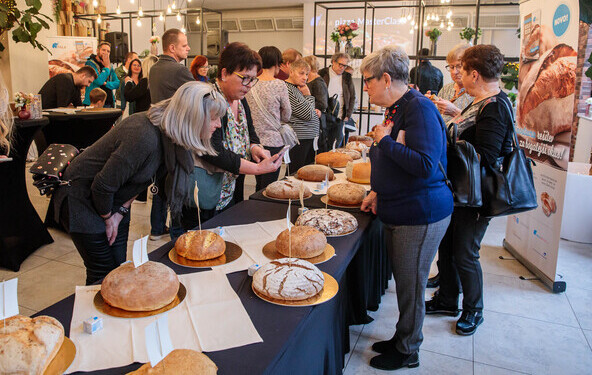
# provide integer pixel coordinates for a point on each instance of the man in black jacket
(63, 89)
(339, 82)
(426, 76)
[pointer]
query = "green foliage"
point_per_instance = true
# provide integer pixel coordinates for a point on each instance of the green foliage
(589, 70)
(25, 24)
(468, 33)
(434, 34)
(510, 75)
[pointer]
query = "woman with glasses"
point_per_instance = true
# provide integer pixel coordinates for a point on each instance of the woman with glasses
(200, 68)
(408, 194)
(453, 97)
(270, 106)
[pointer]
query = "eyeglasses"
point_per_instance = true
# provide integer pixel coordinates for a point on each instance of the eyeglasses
(246, 81)
(341, 65)
(204, 67)
(454, 67)
(366, 80)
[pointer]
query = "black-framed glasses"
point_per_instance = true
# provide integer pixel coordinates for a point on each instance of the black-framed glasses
(341, 65)
(366, 80)
(454, 67)
(246, 81)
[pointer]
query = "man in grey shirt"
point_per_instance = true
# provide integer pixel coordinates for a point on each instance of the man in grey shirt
(166, 76)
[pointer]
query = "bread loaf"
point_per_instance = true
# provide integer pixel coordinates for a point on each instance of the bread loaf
(289, 279)
(330, 222)
(361, 138)
(180, 362)
(333, 159)
(28, 345)
(200, 245)
(286, 189)
(353, 153)
(315, 172)
(146, 288)
(307, 242)
(347, 194)
(358, 146)
(358, 173)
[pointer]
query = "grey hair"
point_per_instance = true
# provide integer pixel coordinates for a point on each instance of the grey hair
(186, 117)
(299, 64)
(339, 55)
(147, 64)
(313, 62)
(391, 60)
(456, 52)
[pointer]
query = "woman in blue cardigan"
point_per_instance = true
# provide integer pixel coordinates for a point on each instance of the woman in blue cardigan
(409, 194)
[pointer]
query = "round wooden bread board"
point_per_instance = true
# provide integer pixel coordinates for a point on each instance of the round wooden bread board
(329, 202)
(359, 183)
(105, 308)
(284, 199)
(270, 252)
(330, 289)
(341, 235)
(232, 253)
(63, 359)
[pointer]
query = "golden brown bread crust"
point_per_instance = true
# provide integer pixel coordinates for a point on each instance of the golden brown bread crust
(307, 242)
(146, 288)
(200, 245)
(353, 153)
(333, 159)
(315, 172)
(358, 173)
(349, 194)
(180, 362)
(361, 138)
(286, 189)
(289, 279)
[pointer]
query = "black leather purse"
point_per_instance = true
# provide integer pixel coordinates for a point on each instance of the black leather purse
(464, 171)
(50, 166)
(508, 185)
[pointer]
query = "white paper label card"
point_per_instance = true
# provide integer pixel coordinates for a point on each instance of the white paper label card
(326, 180)
(315, 143)
(158, 340)
(364, 152)
(8, 299)
(196, 195)
(334, 144)
(288, 221)
(140, 251)
(287, 157)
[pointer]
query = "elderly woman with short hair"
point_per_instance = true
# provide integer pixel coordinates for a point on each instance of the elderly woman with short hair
(107, 176)
(409, 194)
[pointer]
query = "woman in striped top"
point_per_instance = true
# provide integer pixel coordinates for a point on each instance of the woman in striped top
(305, 118)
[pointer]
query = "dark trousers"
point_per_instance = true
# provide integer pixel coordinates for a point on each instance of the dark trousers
(158, 215)
(459, 259)
(265, 179)
(335, 134)
(411, 250)
(301, 155)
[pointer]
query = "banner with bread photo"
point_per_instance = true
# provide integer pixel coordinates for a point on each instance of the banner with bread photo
(546, 84)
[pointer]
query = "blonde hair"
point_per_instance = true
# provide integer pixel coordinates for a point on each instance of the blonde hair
(6, 120)
(299, 64)
(97, 95)
(313, 62)
(456, 52)
(147, 64)
(186, 117)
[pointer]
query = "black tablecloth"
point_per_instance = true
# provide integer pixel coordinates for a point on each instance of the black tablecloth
(81, 129)
(303, 340)
(21, 230)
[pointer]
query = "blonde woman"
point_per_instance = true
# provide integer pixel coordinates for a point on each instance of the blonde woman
(6, 120)
(108, 175)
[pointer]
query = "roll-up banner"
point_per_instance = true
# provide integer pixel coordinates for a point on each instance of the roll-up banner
(545, 113)
(69, 53)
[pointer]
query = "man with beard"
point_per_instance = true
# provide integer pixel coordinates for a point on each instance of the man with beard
(106, 77)
(63, 89)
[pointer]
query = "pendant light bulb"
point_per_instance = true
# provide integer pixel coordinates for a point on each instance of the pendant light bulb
(415, 27)
(99, 20)
(178, 16)
(160, 17)
(174, 6)
(197, 21)
(169, 11)
(140, 12)
(442, 24)
(448, 28)
(95, 3)
(139, 22)
(131, 1)
(118, 10)
(412, 22)
(411, 30)
(425, 23)
(183, 30)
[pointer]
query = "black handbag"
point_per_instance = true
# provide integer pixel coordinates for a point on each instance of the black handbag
(50, 166)
(508, 185)
(332, 112)
(464, 171)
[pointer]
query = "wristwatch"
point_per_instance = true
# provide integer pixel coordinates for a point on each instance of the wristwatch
(123, 211)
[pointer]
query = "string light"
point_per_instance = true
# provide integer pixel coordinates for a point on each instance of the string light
(183, 30)
(169, 11)
(99, 20)
(160, 17)
(415, 27)
(95, 3)
(118, 11)
(442, 24)
(178, 16)
(197, 21)
(425, 23)
(139, 22)
(140, 12)
(131, 1)
(411, 30)
(174, 5)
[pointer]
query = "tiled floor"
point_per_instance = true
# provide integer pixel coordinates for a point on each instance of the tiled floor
(527, 329)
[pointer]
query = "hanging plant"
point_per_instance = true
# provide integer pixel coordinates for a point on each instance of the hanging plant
(434, 34)
(510, 75)
(26, 23)
(468, 33)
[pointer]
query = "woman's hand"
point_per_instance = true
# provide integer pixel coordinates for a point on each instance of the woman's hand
(259, 153)
(270, 164)
(382, 131)
(318, 112)
(111, 226)
(128, 79)
(369, 203)
(304, 90)
(448, 108)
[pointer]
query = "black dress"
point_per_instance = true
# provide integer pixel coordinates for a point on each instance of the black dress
(138, 96)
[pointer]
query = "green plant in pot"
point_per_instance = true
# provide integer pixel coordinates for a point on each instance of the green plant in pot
(510, 75)
(434, 35)
(25, 24)
(468, 34)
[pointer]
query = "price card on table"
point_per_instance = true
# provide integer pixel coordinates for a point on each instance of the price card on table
(315, 143)
(140, 251)
(364, 152)
(287, 157)
(334, 144)
(8, 299)
(158, 339)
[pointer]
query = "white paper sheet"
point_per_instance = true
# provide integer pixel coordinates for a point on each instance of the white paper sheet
(9, 299)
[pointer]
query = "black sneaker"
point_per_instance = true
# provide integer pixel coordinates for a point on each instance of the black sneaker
(394, 360)
(434, 306)
(468, 322)
(383, 346)
(434, 282)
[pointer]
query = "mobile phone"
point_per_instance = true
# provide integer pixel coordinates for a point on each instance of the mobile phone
(283, 151)
(5, 159)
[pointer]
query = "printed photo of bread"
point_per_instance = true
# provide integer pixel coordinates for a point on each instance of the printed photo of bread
(548, 204)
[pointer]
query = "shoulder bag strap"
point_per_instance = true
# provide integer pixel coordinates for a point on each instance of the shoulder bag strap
(507, 106)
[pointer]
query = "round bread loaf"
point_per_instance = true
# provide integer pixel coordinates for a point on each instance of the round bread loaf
(358, 172)
(180, 362)
(315, 172)
(353, 153)
(200, 245)
(146, 288)
(349, 194)
(330, 222)
(333, 159)
(358, 146)
(286, 189)
(307, 242)
(289, 279)
(361, 138)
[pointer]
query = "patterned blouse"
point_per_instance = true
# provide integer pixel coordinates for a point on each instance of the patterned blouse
(274, 96)
(447, 93)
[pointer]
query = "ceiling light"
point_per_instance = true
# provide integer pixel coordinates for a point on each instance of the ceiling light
(131, 1)
(169, 11)
(160, 17)
(118, 11)
(99, 20)
(415, 27)
(442, 24)
(139, 22)
(197, 21)
(140, 12)
(411, 30)
(183, 30)
(174, 6)
(178, 16)
(95, 3)
(425, 23)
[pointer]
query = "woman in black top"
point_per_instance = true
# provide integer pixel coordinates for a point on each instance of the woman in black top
(318, 89)
(136, 91)
(487, 125)
(108, 175)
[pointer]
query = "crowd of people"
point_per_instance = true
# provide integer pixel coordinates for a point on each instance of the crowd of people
(185, 126)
